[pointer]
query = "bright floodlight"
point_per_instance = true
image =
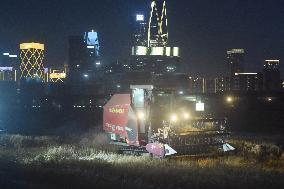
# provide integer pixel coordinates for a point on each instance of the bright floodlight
(174, 118)
(141, 115)
(186, 115)
(229, 99)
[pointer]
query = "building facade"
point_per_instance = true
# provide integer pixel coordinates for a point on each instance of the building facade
(271, 73)
(139, 35)
(247, 82)
(32, 65)
(151, 52)
(9, 67)
(235, 59)
(84, 57)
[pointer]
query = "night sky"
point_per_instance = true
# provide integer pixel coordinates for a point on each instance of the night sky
(204, 29)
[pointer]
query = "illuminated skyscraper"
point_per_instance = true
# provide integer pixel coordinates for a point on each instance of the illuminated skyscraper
(235, 59)
(91, 39)
(158, 24)
(155, 56)
(32, 55)
(92, 46)
(271, 73)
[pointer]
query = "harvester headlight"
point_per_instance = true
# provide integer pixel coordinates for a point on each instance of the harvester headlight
(174, 118)
(229, 99)
(186, 116)
(141, 115)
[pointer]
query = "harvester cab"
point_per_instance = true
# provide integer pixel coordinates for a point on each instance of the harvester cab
(127, 121)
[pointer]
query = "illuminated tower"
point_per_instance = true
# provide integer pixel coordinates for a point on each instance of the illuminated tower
(91, 39)
(158, 24)
(154, 54)
(32, 55)
(93, 53)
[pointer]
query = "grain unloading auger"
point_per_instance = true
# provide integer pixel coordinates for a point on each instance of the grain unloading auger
(128, 120)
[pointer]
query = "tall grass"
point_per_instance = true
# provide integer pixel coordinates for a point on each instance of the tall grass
(85, 164)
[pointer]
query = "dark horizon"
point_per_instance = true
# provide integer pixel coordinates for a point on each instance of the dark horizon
(203, 31)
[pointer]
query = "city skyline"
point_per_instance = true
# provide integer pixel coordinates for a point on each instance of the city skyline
(203, 32)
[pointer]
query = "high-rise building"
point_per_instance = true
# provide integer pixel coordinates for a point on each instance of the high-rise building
(155, 56)
(247, 82)
(158, 24)
(271, 74)
(9, 60)
(9, 66)
(84, 57)
(77, 54)
(139, 36)
(92, 46)
(32, 55)
(235, 58)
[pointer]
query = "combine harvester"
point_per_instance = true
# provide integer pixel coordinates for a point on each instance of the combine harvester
(135, 122)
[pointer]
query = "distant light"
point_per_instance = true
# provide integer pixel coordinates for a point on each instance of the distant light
(200, 107)
(45, 70)
(90, 47)
(118, 86)
(24, 46)
(6, 68)
(236, 51)
(98, 63)
(77, 65)
(140, 17)
(86, 75)
(245, 74)
(275, 61)
(13, 56)
(6, 54)
(269, 99)
(180, 92)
